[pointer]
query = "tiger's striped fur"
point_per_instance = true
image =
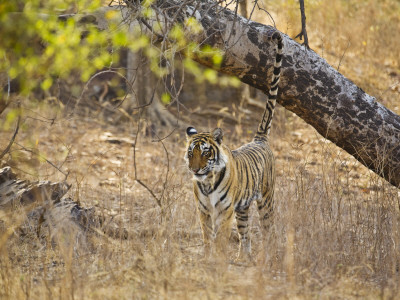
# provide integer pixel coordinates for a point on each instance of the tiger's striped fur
(225, 182)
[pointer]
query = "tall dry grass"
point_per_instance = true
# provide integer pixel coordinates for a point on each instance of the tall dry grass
(335, 232)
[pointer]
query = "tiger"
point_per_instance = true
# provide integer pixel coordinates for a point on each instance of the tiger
(225, 182)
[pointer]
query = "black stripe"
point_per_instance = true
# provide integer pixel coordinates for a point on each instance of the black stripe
(268, 108)
(226, 208)
(223, 196)
(243, 219)
(267, 215)
(273, 88)
(277, 71)
(266, 192)
(263, 205)
(205, 207)
(201, 189)
(278, 57)
(221, 176)
(221, 199)
(247, 178)
(252, 173)
(275, 81)
(254, 157)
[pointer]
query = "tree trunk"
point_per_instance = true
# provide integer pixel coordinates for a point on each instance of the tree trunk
(143, 85)
(338, 109)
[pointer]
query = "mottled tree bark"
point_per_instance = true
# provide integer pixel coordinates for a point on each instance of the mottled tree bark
(338, 109)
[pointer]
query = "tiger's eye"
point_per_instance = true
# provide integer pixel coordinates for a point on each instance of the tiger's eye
(206, 154)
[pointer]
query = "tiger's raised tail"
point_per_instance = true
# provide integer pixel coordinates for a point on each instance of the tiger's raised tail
(265, 125)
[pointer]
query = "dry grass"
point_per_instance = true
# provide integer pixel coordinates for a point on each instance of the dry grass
(335, 231)
(336, 226)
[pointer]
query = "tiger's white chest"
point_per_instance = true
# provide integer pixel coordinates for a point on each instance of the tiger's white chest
(214, 199)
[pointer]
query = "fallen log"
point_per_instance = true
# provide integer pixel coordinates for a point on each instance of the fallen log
(45, 210)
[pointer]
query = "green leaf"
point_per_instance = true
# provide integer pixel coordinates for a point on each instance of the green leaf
(165, 98)
(211, 76)
(46, 84)
(176, 32)
(193, 25)
(217, 59)
(120, 38)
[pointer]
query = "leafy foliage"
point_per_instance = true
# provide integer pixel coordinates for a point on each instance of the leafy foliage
(38, 46)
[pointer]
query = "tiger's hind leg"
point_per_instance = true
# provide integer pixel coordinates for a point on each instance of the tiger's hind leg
(265, 207)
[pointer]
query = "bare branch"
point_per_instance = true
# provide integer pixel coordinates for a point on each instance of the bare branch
(7, 149)
(341, 58)
(303, 32)
(134, 165)
(42, 157)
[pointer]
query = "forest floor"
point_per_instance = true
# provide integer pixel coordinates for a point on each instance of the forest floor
(335, 232)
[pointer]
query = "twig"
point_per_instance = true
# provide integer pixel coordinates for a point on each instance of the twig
(303, 32)
(168, 135)
(209, 112)
(344, 52)
(93, 77)
(149, 190)
(264, 10)
(233, 24)
(134, 164)
(160, 36)
(7, 149)
(4, 104)
(166, 175)
(41, 156)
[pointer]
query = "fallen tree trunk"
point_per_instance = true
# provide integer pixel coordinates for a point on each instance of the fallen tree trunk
(43, 208)
(338, 109)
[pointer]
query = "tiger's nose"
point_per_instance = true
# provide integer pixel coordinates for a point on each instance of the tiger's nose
(195, 170)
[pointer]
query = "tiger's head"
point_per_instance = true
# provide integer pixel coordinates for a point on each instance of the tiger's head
(204, 153)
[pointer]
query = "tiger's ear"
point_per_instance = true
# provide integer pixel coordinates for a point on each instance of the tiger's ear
(190, 131)
(217, 135)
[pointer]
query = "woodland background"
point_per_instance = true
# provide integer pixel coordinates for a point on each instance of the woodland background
(336, 224)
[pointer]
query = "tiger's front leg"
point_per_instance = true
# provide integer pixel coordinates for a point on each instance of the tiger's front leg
(242, 218)
(207, 231)
(223, 230)
(205, 220)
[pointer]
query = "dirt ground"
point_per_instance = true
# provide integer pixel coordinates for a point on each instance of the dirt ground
(334, 235)
(335, 232)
